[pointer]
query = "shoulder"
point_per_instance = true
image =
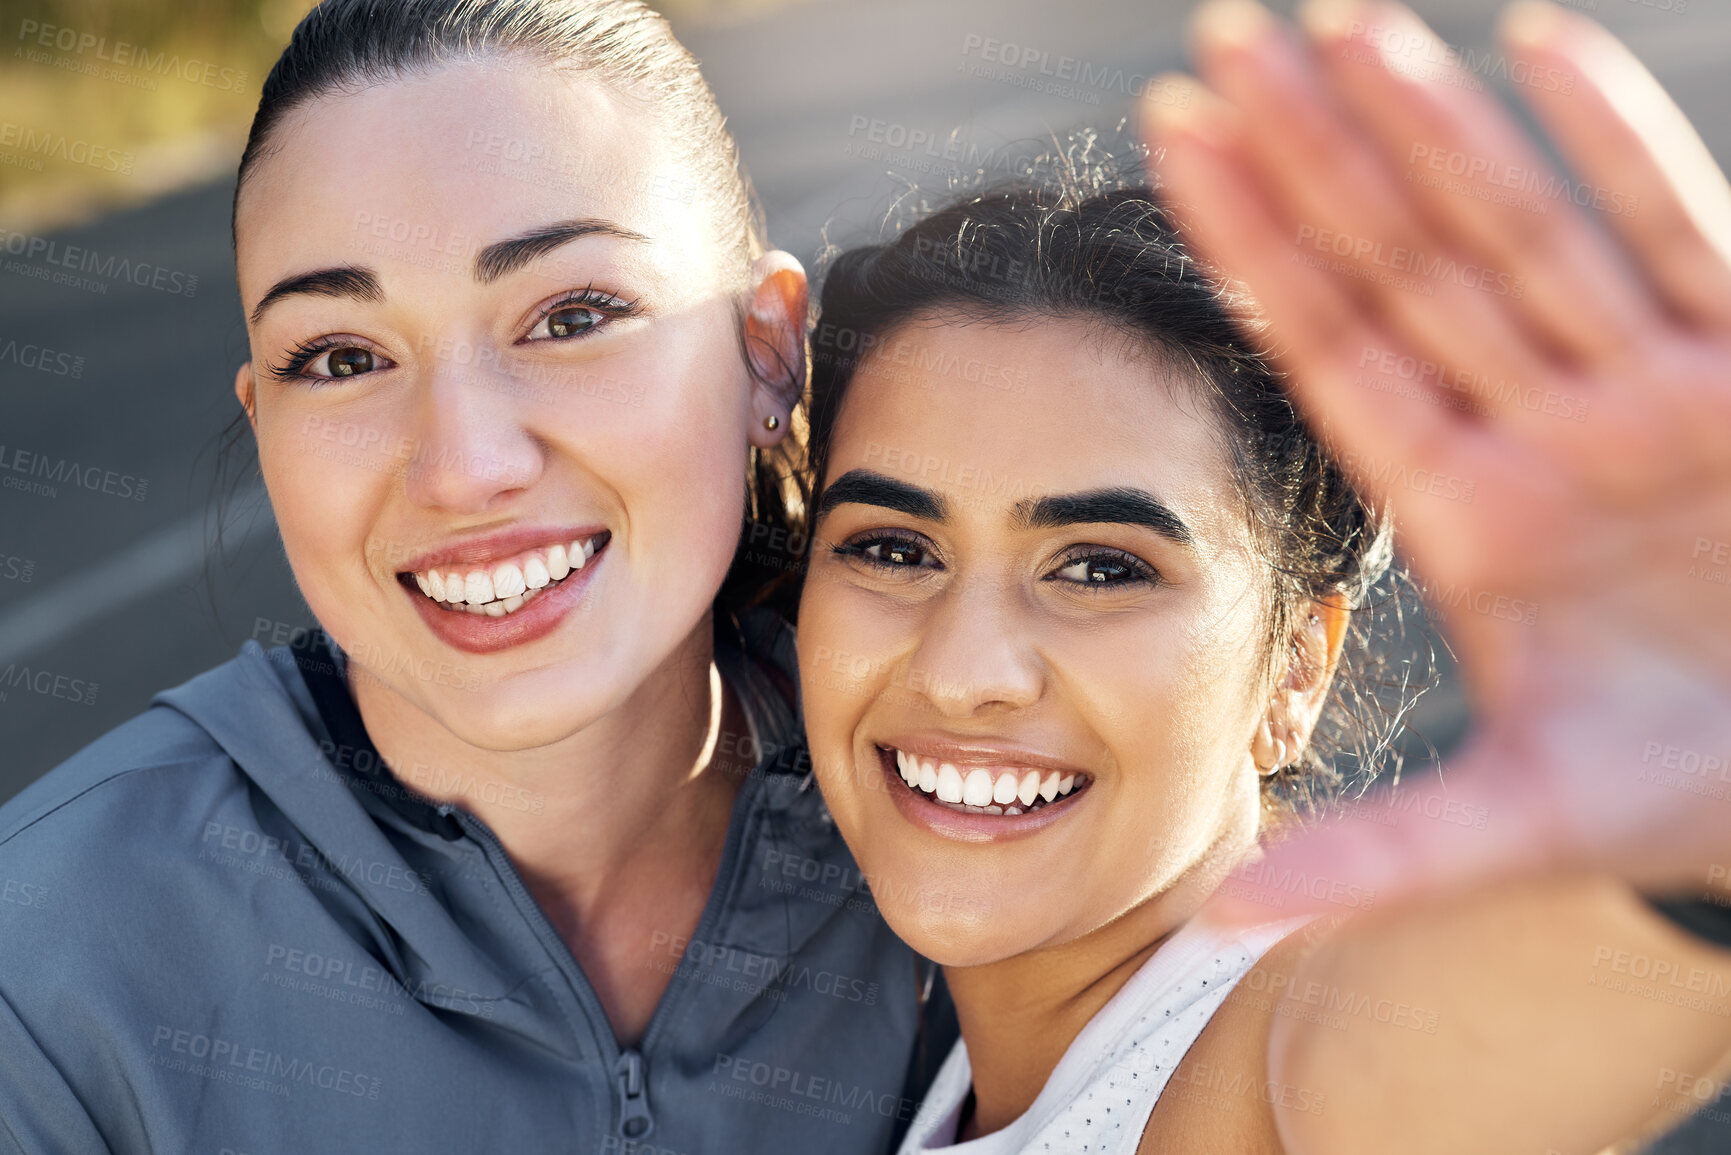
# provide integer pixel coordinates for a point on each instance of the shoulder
(95, 788)
(1220, 1097)
(116, 836)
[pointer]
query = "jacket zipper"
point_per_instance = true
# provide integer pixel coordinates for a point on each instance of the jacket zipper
(635, 1119)
(629, 1065)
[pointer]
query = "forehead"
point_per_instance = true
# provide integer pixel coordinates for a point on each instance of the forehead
(431, 166)
(1000, 411)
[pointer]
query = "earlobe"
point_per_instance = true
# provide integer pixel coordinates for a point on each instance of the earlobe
(243, 392)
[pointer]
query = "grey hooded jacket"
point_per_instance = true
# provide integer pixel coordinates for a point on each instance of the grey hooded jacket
(225, 929)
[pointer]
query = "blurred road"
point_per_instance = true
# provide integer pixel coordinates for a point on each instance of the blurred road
(108, 440)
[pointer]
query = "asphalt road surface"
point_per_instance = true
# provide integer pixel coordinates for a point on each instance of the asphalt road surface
(110, 586)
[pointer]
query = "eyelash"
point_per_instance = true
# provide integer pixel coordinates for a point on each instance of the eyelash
(304, 353)
(1141, 572)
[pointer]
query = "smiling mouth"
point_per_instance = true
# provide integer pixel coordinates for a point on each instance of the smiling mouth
(502, 588)
(1002, 790)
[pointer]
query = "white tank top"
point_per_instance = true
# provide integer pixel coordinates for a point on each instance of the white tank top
(1102, 1092)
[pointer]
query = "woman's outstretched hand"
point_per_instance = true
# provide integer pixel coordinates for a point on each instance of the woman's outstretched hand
(1536, 371)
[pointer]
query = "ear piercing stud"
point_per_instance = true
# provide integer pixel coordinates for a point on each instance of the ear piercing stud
(772, 422)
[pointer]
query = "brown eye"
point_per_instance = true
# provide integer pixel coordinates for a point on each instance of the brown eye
(570, 322)
(348, 362)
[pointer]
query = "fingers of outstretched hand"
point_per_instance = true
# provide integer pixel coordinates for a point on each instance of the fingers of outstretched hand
(1345, 210)
(1323, 332)
(1641, 163)
(1474, 175)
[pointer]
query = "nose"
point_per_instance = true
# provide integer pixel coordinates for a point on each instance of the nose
(472, 450)
(974, 655)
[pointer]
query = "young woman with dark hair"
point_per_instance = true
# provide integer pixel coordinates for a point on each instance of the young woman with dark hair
(1082, 591)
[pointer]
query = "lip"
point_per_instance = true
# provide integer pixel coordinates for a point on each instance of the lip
(921, 811)
(492, 548)
(478, 634)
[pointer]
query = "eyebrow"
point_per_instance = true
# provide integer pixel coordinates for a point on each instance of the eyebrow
(491, 263)
(1116, 506)
(341, 281)
(508, 256)
(864, 487)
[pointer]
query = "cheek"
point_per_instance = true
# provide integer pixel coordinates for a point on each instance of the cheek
(326, 479)
(669, 441)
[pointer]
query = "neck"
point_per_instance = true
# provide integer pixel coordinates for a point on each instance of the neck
(1020, 1014)
(617, 829)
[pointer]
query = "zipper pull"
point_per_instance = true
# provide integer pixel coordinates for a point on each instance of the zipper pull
(635, 1121)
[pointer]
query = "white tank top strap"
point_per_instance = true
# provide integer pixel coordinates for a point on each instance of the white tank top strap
(1099, 1098)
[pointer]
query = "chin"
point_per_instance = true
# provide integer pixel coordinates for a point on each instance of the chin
(511, 715)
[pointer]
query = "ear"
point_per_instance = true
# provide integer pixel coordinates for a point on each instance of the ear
(243, 391)
(1303, 687)
(775, 343)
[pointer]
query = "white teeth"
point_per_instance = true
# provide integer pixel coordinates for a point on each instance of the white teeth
(558, 565)
(981, 790)
(435, 585)
(454, 587)
(478, 588)
(578, 552)
(977, 788)
(1030, 788)
(512, 604)
(422, 583)
(494, 609)
(535, 572)
(508, 581)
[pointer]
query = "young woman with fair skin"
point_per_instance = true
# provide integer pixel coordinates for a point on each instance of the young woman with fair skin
(1058, 584)
(517, 357)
